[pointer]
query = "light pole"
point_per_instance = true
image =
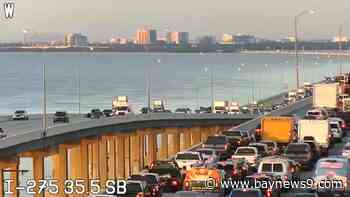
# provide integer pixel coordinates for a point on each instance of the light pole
(340, 46)
(296, 21)
(44, 133)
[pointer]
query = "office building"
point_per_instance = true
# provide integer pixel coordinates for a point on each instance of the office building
(146, 36)
(75, 40)
(177, 38)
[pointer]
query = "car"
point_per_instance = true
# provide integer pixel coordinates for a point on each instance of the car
(203, 110)
(95, 114)
(317, 113)
(278, 167)
(249, 153)
(107, 112)
(20, 115)
(243, 192)
(315, 148)
(209, 155)
(263, 178)
(304, 194)
(137, 188)
(346, 150)
(196, 194)
(61, 116)
(258, 131)
(336, 131)
(237, 138)
(234, 168)
(271, 146)
(220, 143)
(301, 153)
(262, 148)
(170, 175)
(187, 159)
(183, 111)
(341, 122)
(336, 169)
(152, 180)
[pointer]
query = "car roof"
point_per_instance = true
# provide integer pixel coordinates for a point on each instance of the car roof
(274, 160)
(204, 149)
(187, 152)
(247, 147)
(135, 181)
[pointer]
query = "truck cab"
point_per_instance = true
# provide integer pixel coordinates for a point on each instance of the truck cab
(120, 105)
(233, 108)
(300, 93)
(220, 107)
(158, 106)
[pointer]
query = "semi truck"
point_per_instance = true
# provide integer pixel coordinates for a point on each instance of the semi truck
(325, 95)
(278, 128)
(318, 129)
(158, 105)
(220, 107)
(120, 105)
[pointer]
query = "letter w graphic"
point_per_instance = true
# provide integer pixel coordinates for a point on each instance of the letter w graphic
(9, 9)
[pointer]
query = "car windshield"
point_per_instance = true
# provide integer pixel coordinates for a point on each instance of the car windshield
(187, 156)
(107, 111)
(216, 140)
(277, 167)
(60, 113)
(20, 112)
(132, 188)
(150, 179)
(266, 167)
(124, 108)
(334, 126)
(297, 148)
(245, 151)
(314, 113)
(241, 193)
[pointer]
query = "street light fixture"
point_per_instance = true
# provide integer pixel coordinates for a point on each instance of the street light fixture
(296, 20)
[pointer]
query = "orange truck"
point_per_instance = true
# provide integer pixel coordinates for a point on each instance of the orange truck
(203, 179)
(279, 129)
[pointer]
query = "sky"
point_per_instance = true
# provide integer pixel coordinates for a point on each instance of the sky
(102, 19)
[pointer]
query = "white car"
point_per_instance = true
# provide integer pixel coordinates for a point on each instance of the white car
(277, 167)
(317, 113)
(248, 153)
(346, 150)
(20, 115)
(341, 122)
(209, 155)
(187, 159)
(336, 130)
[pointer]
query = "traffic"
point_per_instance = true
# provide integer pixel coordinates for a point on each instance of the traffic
(284, 155)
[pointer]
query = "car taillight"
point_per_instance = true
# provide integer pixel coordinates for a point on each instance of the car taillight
(258, 131)
(292, 170)
(269, 193)
(234, 172)
(343, 125)
(174, 183)
(187, 185)
(226, 146)
(140, 194)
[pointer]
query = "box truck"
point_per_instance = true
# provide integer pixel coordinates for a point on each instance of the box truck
(120, 105)
(278, 128)
(325, 95)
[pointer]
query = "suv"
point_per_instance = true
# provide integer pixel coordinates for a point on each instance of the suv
(170, 175)
(220, 143)
(248, 153)
(107, 112)
(152, 180)
(237, 138)
(137, 188)
(95, 114)
(301, 153)
(277, 167)
(20, 115)
(61, 116)
(187, 159)
(317, 113)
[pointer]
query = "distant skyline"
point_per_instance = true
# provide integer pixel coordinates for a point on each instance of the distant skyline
(103, 19)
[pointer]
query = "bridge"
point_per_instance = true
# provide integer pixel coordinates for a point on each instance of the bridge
(114, 148)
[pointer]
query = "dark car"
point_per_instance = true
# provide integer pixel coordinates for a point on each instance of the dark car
(263, 178)
(258, 131)
(301, 153)
(152, 180)
(183, 110)
(107, 112)
(203, 110)
(61, 116)
(236, 169)
(316, 151)
(145, 110)
(170, 176)
(137, 188)
(237, 138)
(220, 143)
(246, 193)
(95, 113)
